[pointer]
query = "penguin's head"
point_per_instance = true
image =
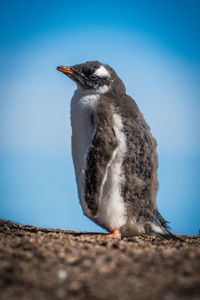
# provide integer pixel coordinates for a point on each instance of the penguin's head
(91, 76)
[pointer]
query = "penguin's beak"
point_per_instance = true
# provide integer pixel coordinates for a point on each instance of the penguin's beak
(65, 70)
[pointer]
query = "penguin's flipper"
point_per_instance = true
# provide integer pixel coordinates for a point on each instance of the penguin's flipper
(100, 155)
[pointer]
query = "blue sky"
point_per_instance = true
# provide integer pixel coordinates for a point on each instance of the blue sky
(155, 48)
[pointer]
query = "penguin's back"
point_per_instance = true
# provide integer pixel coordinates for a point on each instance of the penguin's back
(140, 164)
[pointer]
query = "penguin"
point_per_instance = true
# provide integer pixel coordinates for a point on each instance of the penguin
(114, 155)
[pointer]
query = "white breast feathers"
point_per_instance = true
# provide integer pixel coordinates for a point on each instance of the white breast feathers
(83, 108)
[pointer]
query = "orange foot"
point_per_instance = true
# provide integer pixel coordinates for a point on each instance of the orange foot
(115, 234)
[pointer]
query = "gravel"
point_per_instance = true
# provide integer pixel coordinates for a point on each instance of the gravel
(41, 263)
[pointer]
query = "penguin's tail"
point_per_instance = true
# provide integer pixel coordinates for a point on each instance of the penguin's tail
(160, 227)
(163, 233)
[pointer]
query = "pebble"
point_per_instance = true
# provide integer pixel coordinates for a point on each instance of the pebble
(62, 274)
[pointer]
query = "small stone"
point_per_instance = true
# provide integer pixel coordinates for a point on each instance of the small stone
(75, 252)
(62, 274)
(75, 285)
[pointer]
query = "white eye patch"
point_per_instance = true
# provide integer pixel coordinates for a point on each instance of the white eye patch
(102, 72)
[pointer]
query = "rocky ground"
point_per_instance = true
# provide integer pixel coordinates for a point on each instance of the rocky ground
(39, 263)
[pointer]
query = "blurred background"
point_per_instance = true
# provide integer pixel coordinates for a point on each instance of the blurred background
(155, 48)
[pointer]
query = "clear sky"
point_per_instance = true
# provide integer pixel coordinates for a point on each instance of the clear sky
(155, 48)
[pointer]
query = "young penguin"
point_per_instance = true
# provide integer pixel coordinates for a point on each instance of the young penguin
(114, 154)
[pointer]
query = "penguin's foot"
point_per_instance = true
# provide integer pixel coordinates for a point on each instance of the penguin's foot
(115, 234)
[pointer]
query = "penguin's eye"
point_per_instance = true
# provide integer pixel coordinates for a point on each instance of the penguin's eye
(93, 77)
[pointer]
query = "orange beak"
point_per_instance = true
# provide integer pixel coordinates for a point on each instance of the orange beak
(65, 70)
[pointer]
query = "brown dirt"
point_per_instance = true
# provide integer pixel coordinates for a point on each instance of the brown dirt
(38, 263)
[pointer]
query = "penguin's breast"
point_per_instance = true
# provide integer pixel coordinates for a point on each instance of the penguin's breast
(83, 108)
